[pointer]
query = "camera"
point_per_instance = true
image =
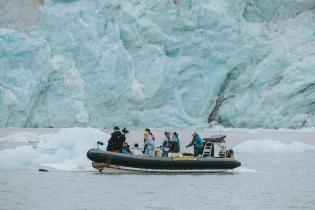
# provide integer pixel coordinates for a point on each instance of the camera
(125, 131)
(100, 143)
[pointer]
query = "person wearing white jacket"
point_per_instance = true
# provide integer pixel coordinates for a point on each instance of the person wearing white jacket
(136, 150)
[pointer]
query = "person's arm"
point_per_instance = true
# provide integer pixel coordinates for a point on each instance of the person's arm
(190, 144)
(109, 144)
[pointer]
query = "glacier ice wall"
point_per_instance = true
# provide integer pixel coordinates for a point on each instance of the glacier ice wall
(168, 63)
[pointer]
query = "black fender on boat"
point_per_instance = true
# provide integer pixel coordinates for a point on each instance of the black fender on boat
(170, 163)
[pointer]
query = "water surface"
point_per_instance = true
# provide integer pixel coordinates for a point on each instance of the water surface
(275, 181)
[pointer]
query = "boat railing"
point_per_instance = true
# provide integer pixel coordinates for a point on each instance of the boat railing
(207, 149)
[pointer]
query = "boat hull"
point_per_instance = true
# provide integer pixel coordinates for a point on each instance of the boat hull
(161, 163)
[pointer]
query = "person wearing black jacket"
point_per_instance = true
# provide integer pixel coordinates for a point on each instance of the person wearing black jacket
(116, 141)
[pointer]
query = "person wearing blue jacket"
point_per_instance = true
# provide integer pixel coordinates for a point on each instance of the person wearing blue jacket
(197, 143)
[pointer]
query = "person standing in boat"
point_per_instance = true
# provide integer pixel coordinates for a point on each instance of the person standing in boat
(167, 144)
(197, 143)
(149, 144)
(116, 141)
(175, 143)
(151, 135)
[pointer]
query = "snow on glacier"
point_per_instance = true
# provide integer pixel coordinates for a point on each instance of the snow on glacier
(169, 63)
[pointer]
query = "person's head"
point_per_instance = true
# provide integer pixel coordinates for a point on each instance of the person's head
(175, 136)
(148, 130)
(136, 145)
(194, 133)
(125, 145)
(116, 128)
(167, 135)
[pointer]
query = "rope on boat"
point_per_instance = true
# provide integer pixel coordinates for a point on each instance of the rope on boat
(109, 159)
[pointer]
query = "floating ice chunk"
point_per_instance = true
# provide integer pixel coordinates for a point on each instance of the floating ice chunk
(65, 150)
(26, 137)
(300, 147)
(268, 146)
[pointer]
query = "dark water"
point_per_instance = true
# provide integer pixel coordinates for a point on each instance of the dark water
(279, 181)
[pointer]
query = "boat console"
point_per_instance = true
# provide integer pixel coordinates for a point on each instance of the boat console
(210, 142)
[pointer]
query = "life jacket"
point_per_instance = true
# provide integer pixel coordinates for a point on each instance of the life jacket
(197, 142)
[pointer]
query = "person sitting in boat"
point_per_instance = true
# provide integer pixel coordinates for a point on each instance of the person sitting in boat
(136, 150)
(126, 149)
(229, 153)
(197, 143)
(116, 141)
(149, 144)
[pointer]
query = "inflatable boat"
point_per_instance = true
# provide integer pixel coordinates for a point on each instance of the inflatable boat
(205, 162)
(102, 159)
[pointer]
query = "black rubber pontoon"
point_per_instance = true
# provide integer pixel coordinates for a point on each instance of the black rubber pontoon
(161, 163)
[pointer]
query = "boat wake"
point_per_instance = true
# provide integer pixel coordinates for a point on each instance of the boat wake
(242, 170)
